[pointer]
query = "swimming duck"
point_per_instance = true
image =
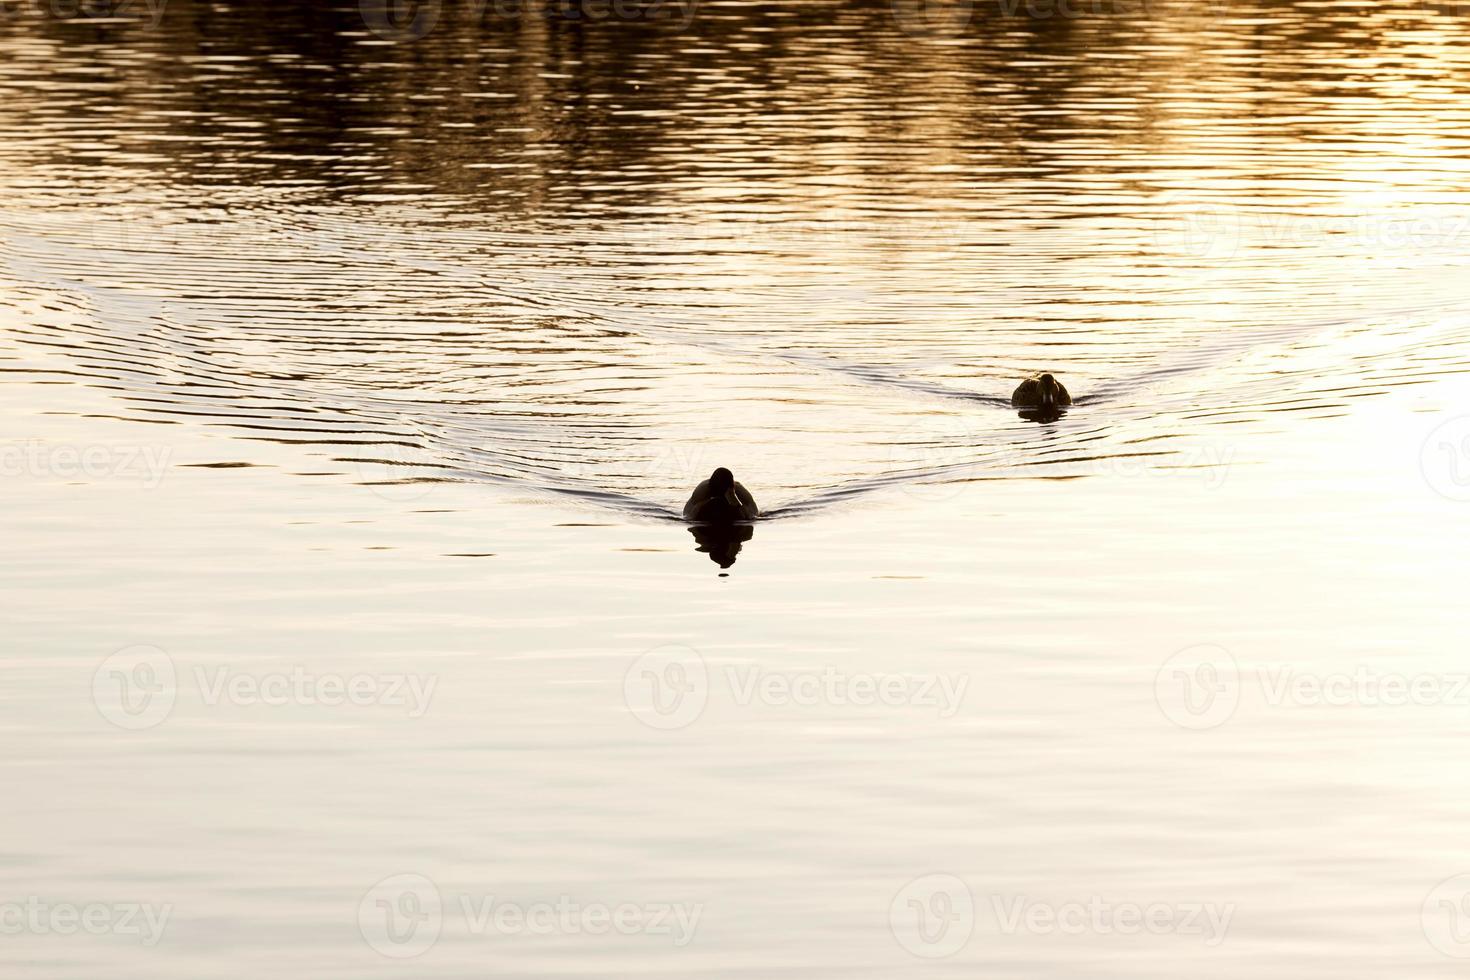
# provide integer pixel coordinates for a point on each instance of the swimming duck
(1042, 392)
(720, 500)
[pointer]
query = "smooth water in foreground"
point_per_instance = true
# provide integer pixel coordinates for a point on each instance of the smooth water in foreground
(351, 383)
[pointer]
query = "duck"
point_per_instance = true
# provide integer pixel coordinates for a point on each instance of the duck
(720, 500)
(1041, 393)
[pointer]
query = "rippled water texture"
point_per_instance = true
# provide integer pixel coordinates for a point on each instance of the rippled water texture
(340, 339)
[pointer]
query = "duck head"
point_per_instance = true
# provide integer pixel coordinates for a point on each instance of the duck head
(1048, 391)
(722, 484)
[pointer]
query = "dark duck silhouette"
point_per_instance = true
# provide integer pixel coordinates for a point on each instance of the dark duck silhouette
(720, 500)
(1041, 393)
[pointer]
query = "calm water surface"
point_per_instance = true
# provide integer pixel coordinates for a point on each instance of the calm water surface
(342, 353)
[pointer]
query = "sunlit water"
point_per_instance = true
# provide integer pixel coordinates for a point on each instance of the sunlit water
(332, 352)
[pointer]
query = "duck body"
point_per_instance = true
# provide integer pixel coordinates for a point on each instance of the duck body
(720, 500)
(1041, 392)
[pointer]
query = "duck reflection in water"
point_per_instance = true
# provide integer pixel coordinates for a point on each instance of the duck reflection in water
(721, 541)
(1041, 414)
